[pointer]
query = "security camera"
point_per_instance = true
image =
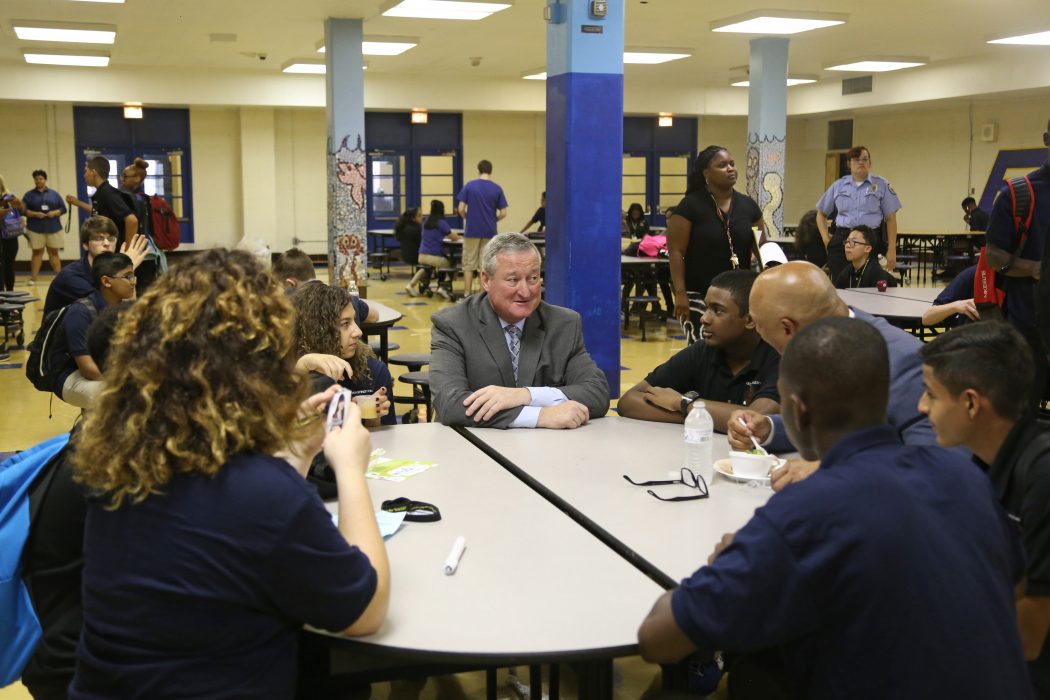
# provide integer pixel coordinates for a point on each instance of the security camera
(262, 57)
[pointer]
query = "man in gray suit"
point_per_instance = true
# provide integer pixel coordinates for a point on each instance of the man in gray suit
(506, 359)
(784, 300)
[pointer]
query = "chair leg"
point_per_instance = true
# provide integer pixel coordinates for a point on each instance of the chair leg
(430, 408)
(641, 323)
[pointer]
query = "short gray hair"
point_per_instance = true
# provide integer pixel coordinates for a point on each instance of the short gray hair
(505, 244)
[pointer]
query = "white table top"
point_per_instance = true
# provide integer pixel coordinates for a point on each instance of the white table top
(637, 260)
(387, 315)
(531, 582)
(884, 305)
(923, 294)
(586, 467)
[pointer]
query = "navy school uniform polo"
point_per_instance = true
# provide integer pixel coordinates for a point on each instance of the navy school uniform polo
(703, 369)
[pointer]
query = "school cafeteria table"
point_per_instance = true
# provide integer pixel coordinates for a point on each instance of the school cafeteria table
(381, 326)
(532, 586)
(582, 471)
(923, 294)
(903, 312)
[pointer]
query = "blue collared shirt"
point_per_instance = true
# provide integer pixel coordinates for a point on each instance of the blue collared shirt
(542, 396)
(71, 283)
(866, 203)
(46, 201)
(888, 573)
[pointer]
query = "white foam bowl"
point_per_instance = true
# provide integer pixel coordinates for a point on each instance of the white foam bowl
(751, 466)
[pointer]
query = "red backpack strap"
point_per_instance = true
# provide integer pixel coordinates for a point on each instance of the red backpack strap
(984, 289)
(1022, 205)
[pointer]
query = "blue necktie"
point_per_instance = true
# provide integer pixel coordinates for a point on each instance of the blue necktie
(515, 347)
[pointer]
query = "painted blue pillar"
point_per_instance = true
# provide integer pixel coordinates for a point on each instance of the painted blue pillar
(584, 166)
(767, 129)
(347, 181)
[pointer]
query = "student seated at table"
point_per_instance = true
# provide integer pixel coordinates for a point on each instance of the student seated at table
(540, 217)
(863, 269)
(205, 551)
(98, 235)
(327, 342)
(635, 223)
(956, 305)
(432, 250)
(732, 367)
(78, 379)
(887, 574)
(978, 379)
(294, 268)
(506, 359)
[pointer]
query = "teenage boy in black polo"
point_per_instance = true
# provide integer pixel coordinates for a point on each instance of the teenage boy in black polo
(977, 381)
(732, 367)
(107, 201)
(79, 381)
(863, 269)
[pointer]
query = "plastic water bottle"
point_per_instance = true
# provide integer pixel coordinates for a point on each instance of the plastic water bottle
(699, 431)
(352, 287)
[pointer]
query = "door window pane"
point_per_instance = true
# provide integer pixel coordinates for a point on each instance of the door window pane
(633, 183)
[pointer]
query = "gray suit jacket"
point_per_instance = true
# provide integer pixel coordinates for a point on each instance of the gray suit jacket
(906, 386)
(469, 351)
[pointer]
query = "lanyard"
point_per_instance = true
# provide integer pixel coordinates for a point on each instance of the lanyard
(860, 275)
(415, 511)
(727, 220)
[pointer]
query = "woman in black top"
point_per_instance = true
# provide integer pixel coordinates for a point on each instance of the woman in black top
(709, 233)
(408, 233)
(637, 226)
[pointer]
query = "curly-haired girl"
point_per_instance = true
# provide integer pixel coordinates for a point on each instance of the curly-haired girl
(205, 550)
(327, 341)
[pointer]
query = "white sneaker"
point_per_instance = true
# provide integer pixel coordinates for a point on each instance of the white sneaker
(411, 291)
(443, 293)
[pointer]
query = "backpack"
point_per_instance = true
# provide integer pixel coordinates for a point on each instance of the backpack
(164, 223)
(1022, 208)
(19, 627)
(987, 295)
(44, 362)
(13, 224)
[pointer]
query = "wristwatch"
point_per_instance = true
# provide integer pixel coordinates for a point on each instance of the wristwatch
(687, 400)
(1005, 268)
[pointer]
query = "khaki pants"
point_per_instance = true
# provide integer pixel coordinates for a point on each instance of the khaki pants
(80, 392)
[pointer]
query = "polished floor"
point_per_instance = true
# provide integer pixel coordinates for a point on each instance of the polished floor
(30, 416)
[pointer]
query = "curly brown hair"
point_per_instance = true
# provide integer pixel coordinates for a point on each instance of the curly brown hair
(199, 370)
(316, 325)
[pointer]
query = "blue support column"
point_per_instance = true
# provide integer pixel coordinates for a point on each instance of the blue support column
(347, 181)
(584, 166)
(767, 129)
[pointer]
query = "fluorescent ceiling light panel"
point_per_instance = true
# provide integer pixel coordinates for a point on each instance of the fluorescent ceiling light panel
(444, 9)
(791, 82)
(1037, 39)
(879, 65)
(652, 58)
(777, 22)
(65, 32)
(307, 67)
(87, 59)
(113, 2)
(536, 75)
(391, 46)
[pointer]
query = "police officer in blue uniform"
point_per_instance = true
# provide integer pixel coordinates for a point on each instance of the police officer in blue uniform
(859, 198)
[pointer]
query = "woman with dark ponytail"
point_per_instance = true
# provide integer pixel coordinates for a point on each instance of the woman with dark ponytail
(709, 233)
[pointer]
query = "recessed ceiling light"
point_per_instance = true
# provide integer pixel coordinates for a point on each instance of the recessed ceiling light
(652, 58)
(390, 46)
(113, 2)
(535, 75)
(88, 59)
(65, 32)
(443, 9)
(1037, 39)
(879, 65)
(298, 66)
(777, 22)
(791, 82)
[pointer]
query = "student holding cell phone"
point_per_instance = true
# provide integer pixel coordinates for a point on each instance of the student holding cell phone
(205, 550)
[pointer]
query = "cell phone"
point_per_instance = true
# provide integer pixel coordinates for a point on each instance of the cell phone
(337, 409)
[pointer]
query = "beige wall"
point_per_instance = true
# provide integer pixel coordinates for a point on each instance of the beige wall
(932, 155)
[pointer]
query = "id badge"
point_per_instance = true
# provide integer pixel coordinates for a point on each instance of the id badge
(734, 261)
(43, 207)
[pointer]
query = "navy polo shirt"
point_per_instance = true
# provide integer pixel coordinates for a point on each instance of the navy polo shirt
(887, 574)
(483, 198)
(46, 201)
(201, 591)
(71, 283)
(1020, 291)
(73, 336)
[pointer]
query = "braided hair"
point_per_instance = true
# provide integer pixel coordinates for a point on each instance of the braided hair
(703, 159)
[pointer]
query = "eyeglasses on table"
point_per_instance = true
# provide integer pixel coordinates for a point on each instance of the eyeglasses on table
(688, 478)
